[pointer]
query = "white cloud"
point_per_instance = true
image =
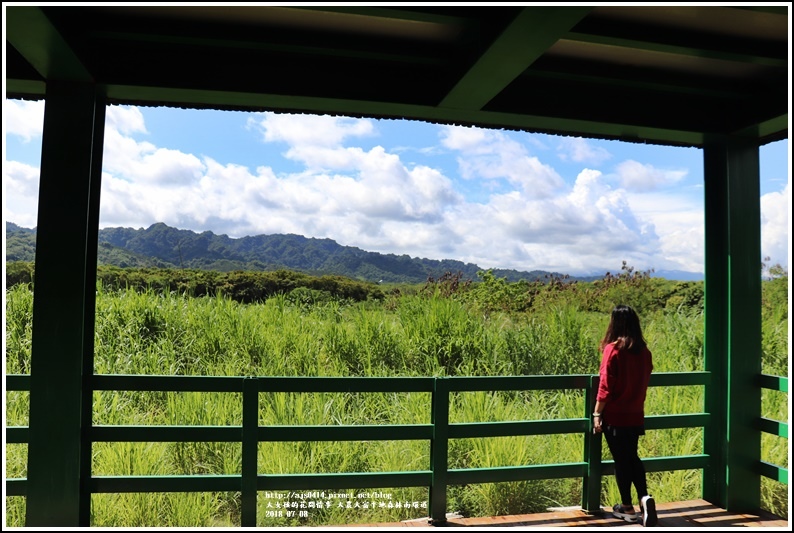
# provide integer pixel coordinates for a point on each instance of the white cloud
(125, 119)
(122, 152)
(142, 162)
(318, 158)
(589, 227)
(636, 176)
(581, 150)
(371, 198)
(368, 202)
(316, 141)
(310, 130)
(679, 221)
(492, 155)
(464, 139)
(775, 226)
(23, 118)
(20, 193)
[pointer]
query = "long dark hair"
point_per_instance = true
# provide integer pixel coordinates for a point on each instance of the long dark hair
(624, 327)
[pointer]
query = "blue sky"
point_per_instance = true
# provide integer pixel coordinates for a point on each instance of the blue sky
(496, 198)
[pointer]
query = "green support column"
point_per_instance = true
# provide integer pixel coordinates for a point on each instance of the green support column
(733, 331)
(89, 310)
(715, 171)
(743, 492)
(64, 255)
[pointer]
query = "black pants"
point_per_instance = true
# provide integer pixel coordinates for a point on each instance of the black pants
(622, 442)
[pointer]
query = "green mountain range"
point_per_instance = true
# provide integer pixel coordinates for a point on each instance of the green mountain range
(162, 246)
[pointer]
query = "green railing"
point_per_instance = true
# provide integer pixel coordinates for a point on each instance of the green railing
(438, 432)
(773, 427)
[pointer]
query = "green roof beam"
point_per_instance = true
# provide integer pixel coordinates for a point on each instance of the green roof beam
(532, 32)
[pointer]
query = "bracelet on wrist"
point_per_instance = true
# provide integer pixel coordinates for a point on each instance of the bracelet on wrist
(595, 415)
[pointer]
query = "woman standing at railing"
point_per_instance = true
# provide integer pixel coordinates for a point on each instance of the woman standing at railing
(626, 367)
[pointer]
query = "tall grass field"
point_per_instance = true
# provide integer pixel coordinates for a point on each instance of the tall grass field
(409, 333)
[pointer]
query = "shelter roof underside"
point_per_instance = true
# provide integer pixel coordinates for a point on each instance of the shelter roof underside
(666, 74)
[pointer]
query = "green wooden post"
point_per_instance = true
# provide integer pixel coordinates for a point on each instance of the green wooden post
(439, 450)
(250, 439)
(89, 318)
(715, 172)
(64, 250)
(744, 323)
(591, 484)
(733, 163)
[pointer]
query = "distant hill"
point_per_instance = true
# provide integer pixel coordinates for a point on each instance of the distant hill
(678, 275)
(162, 246)
(20, 243)
(21, 246)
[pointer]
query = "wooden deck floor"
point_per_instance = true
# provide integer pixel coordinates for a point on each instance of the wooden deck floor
(692, 513)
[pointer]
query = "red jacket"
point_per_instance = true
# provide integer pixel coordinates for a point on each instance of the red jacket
(623, 384)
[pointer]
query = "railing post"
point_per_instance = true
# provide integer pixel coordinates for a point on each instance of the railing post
(439, 450)
(591, 484)
(250, 444)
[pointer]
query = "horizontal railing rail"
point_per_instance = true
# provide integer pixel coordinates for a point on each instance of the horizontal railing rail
(438, 432)
(772, 427)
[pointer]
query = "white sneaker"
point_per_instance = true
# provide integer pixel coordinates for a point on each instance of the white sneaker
(618, 512)
(648, 507)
